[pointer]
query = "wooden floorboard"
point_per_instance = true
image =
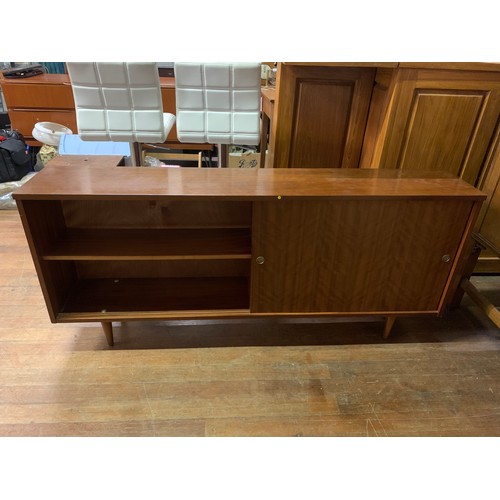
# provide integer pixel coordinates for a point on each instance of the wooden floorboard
(432, 377)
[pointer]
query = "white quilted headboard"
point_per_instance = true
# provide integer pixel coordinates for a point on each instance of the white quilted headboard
(218, 103)
(119, 101)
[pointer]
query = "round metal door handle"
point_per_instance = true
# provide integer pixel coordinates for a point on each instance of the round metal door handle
(260, 260)
(446, 258)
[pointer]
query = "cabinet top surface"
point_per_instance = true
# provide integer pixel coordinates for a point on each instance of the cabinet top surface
(459, 66)
(63, 182)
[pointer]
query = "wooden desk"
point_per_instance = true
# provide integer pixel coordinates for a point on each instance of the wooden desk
(119, 244)
(84, 161)
(268, 95)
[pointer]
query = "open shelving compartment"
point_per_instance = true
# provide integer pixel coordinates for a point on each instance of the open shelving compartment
(142, 258)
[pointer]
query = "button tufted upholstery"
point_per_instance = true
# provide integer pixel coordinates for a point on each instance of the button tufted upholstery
(119, 101)
(218, 103)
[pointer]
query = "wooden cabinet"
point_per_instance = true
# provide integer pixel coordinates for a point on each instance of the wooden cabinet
(117, 244)
(425, 116)
(319, 116)
(43, 98)
(50, 98)
(432, 119)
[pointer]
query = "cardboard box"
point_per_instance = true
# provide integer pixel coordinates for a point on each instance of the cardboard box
(243, 159)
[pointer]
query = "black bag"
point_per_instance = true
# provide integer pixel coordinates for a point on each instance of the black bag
(15, 162)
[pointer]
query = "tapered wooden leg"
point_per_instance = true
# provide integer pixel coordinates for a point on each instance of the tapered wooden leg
(389, 323)
(107, 327)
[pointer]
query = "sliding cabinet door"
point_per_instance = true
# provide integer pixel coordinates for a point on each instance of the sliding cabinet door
(354, 255)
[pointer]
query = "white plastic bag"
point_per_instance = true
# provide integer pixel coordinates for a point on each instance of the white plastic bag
(7, 202)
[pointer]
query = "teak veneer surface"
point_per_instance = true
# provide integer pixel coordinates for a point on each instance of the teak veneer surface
(131, 182)
(359, 255)
(308, 241)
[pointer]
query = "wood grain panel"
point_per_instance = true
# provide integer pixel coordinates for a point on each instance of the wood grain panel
(354, 256)
(439, 119)
(45, 223)
(315, 125)
(378, 108)
(43, 96)
(163, 269)
(443, 125)
(320, 116)
(157, 213)
(150, 186)
(151, 244)
(157, 294)
(169, 106)
(25, 120)
(86, 161)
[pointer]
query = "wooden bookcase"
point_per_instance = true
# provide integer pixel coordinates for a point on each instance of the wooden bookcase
(118, 244)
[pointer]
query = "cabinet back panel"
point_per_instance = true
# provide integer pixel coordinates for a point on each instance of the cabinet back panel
(46, 223)
(346, 256)
(96, 296)
(146, 214)
(163, 269)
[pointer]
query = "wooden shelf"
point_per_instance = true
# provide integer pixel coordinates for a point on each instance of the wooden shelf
(102, 296)
(151, 244)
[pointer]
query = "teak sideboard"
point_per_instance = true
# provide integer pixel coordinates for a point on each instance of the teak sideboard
(124, 243)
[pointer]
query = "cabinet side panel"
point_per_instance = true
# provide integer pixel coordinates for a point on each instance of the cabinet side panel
(43, 224)
(374, 126)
